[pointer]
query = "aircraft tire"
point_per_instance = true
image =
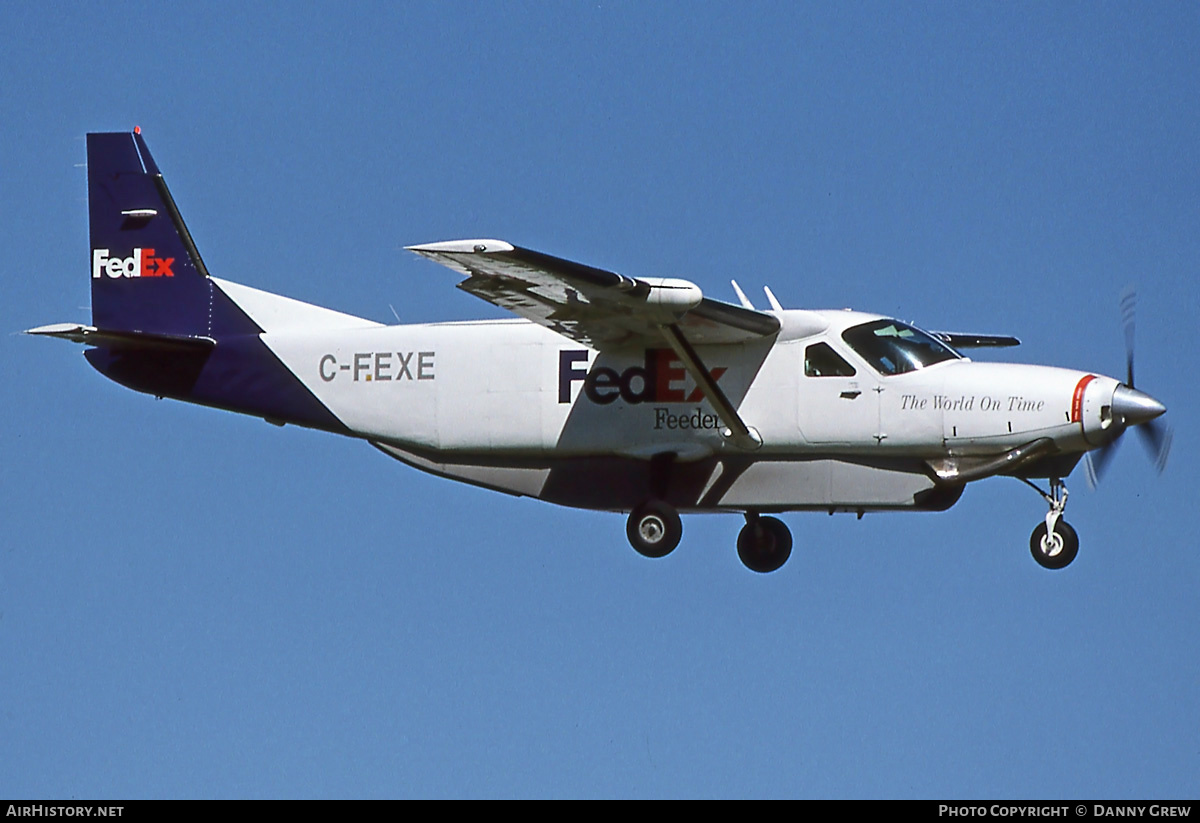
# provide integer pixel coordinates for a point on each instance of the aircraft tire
(1043, 550)
(764, 545)
(654, 529)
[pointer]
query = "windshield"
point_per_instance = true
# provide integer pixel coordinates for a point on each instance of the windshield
(894, 348)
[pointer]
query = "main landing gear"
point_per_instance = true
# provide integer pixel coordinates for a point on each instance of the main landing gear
(654, 530)
(764, 543)
(1053, 543)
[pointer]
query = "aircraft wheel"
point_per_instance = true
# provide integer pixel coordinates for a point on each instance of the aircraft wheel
(1056, 551)
(764, 544)
(654, 529)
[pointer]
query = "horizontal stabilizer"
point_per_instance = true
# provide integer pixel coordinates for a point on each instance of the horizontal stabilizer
(108, 338)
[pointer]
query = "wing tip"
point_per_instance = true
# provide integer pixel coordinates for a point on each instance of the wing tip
(476, 246)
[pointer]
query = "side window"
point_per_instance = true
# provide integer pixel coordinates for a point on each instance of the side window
(822, 361)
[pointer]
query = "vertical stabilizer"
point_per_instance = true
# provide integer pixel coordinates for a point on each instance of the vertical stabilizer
(160, 323)
(147, 275)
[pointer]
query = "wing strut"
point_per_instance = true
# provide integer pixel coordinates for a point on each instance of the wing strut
(742, 435)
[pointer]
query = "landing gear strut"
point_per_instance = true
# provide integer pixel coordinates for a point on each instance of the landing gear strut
(654, 529)
(1053, 543)
(764, 543)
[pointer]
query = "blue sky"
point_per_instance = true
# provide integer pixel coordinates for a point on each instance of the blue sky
(198, 604)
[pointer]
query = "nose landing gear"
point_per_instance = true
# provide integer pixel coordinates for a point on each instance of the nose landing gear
(1053, 543)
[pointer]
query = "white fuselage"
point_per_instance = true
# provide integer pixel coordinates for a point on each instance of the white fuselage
(511, 386)
(513, 406)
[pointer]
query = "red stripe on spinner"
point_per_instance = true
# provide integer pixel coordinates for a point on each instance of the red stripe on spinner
(1077, 400)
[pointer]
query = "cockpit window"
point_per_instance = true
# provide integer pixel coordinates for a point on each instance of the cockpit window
(822, 361)
(894, 348)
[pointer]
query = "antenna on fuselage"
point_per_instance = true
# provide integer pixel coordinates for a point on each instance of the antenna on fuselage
(771, 299)
(741, 295)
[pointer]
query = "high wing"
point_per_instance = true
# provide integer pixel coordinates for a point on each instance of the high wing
(598, 308)
(606, 310)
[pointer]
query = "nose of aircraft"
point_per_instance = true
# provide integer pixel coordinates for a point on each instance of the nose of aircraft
(1135, 407)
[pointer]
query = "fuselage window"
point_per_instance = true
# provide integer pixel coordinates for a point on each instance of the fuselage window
(822, 361)
(894, 348)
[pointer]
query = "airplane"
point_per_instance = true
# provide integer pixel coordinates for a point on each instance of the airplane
(606, 391)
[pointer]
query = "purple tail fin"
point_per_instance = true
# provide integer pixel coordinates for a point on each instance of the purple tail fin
(162, 325)
(147, 275)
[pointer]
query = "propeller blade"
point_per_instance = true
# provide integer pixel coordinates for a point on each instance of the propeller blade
(1157, 437)
(1132, 408)
(1128, 317)
(1098, 462)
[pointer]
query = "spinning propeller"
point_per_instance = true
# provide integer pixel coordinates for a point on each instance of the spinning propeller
(1131, 407)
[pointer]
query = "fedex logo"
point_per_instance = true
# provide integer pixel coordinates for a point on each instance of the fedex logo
(142, 263)
(659, 380)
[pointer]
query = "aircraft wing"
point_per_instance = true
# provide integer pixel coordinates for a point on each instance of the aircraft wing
(598, 308)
